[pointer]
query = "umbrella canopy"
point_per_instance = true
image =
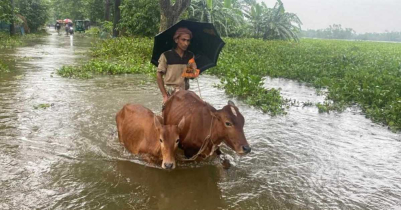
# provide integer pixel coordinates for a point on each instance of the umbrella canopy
(67, 20)
(206, 43)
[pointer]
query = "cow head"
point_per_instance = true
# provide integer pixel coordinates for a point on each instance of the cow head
(230, 124)
(169, 139)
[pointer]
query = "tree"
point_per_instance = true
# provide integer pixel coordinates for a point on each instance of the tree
(107, 10)
(334, 31)
(226, 15)
(12, 26)
(7, 11)
(116, 17)
(35, 12)
(255, 17)
(94, 10)
(169, 14)
(140, 17)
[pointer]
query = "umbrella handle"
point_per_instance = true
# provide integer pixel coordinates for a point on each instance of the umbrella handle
(200, 95)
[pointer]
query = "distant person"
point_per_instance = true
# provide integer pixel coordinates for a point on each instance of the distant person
(58, 26)
(173, 62)
(66, 28)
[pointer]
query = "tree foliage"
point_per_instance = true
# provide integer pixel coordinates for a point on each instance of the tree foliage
(170, 13)
(140, 17)
(225, 15)
(94, 10)
(244, 18)
(35, 12)
(336, 31)
(5, 11)
(274, 23)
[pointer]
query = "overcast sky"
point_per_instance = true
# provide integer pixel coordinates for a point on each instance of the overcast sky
(360, 15)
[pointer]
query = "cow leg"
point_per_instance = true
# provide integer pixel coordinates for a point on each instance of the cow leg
(223, 160)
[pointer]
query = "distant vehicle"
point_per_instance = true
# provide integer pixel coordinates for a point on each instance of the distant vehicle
(82, 25)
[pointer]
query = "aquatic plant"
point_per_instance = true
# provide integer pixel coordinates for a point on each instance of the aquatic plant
(366, 74)
(3, 67)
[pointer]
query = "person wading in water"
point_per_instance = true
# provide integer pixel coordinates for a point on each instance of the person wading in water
(173, 63)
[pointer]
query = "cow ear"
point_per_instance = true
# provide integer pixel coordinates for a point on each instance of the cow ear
(157, 122)
(231, 103)
(181, 124)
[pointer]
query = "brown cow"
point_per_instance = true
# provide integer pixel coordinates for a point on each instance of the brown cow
(205, 127)
(142, 133)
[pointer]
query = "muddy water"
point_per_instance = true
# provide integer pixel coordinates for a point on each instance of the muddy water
(67, 156)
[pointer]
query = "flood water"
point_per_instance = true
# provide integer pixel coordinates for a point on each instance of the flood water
(67, 155)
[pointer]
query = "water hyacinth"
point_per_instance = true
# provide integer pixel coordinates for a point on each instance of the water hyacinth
(367, 74)
(3, 67)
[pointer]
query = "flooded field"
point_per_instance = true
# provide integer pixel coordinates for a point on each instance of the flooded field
(59, 147)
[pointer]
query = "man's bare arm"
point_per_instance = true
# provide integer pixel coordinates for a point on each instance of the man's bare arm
(160, 83)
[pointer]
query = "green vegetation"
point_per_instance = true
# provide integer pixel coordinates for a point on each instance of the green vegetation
(140, 17)
(94, 10)
(34, 11)
(6, 41)
(337, 32)
(115, 56)
(355, 73)
(42, 106)
(3, 67)
(247, 18)
(363, 73)
(30, 14)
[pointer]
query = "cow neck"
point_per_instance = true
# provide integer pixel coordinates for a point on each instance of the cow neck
(205, 143)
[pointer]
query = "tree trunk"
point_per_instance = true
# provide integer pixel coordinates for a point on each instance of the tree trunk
(12, 27)
(171, 13)
(107, 11)
(116, 17)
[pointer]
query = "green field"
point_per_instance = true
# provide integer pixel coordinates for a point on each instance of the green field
(367, 74)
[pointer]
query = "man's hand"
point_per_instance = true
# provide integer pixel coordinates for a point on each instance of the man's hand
(190, 70)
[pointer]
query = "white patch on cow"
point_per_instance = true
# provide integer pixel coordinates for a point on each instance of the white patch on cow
(233, 110)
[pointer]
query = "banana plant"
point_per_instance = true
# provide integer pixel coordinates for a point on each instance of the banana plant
(221, 13)
(278, 24)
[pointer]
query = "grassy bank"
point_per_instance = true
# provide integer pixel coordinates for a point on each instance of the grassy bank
(364, 73)
(7, 41)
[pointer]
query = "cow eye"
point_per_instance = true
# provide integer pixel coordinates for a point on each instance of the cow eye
(161, 141)
(178, 140)
(228, 124)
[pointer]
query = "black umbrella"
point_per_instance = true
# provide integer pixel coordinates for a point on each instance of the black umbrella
(206, 43)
